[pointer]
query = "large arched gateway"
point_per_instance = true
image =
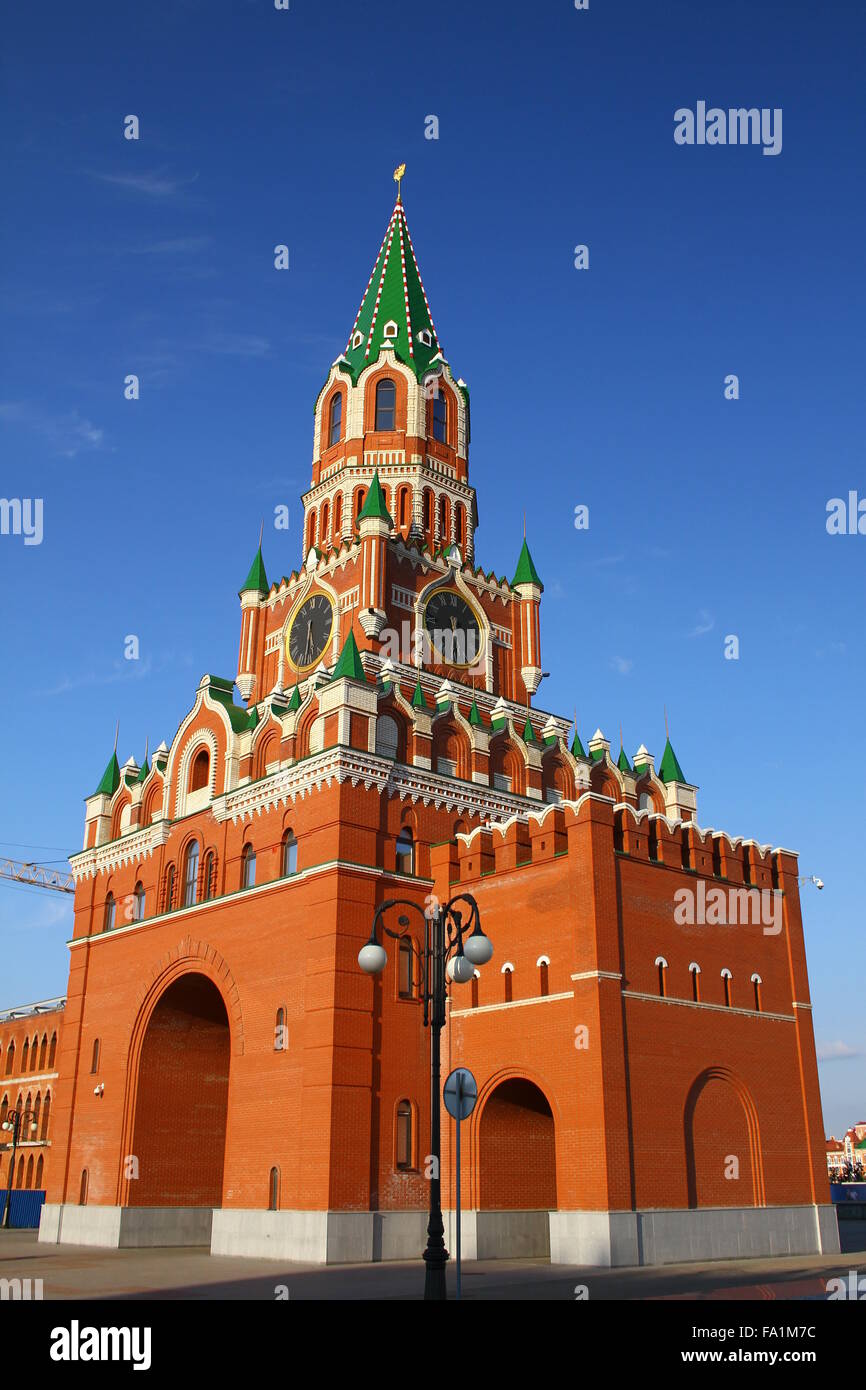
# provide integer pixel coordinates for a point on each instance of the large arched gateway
(516, 1149)
(182, 1098)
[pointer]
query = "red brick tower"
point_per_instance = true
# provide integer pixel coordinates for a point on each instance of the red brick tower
(648, 1086)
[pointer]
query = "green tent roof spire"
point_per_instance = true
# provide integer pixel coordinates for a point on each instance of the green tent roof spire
(349, 665)
(374, 502)
(418, 700)
(670, 770)
(394, 308)
(256, 581)
(110, 780)
(526, 573)
(295, 701)
(622, 761)
(475, 713)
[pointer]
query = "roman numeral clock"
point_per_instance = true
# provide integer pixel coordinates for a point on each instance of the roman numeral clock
(310, 631)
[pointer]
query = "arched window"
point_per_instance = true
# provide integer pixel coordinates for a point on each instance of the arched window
(190, 874)
(46, 1115)
(461, 526)
(281, 1039)
(444, 521)
(4, 1106)
(200, 775)
(405, 852)
(29, 1181)
(403, 508)
(25, 1054)
(52, 1050)
(726, 980)
(543, 964)
(360, 499)
(43, 1052)
(695, 972)
(440, 416)
(19, 1181)
(405, 969)
(387, 736)
(35, 1121)
(94, 1057)
(169, 888)
(139, 899)
(40, 1166)
(290, 854)
(507, 974)
(109, 913)
(476, 976)
(404, 1134)
(208, 887)
(326, 517)
(386, 403)
(274, 1179)
(311, 531)
(10, 1058)
(662, 966)
(757, 982)
(34, 1052)
(717, 858)
(82, 1188)
(338, 515)
(335, 420)
(427, 509)
(248, 876)
(26, 1136)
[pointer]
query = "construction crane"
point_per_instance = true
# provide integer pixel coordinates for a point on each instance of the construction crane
(18, 871)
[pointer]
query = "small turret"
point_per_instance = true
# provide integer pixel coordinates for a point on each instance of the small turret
(529, 586)
(252, 595)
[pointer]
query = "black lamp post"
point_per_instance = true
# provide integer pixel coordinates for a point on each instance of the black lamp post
(13, 1122)
(452, 950)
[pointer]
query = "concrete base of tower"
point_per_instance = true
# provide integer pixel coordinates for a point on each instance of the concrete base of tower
(340, 1237)
(616, 1238)
(125, 1227)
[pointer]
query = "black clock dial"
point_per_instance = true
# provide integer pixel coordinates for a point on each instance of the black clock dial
(310, 632)
(453, 629)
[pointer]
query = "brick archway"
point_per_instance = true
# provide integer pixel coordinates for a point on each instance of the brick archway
(181, 1098)
(516, 1148)
(721, 1124)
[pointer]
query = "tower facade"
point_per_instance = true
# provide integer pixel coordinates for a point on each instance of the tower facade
(253, 1087)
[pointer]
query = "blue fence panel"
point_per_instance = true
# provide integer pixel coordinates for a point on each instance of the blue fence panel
(849, 1199)
(25, 1209)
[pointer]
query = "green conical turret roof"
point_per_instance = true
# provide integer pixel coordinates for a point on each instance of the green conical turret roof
(670, 770)
(295, 701)
(622, 761)
(374, 503)
(394, 296)
(528, 731)
(349, 665)
(475, 713)
(256, 581)
(144, 771)
(418, 700)
(110, 778)
(577, 748)
(526, 573)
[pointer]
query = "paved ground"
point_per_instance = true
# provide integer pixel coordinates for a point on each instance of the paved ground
(72, 1271)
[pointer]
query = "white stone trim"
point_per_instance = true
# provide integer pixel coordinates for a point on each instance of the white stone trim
(717, 1008)
(512, 1004)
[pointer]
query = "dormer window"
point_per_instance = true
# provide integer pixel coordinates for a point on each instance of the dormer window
(357, 339)
(335, 420)
(425, 337)
(386, 403)
(390, 329)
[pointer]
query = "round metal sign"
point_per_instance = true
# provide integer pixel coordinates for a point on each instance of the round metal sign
(460, 1093)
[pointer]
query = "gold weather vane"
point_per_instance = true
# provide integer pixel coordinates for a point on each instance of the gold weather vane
(399, 174)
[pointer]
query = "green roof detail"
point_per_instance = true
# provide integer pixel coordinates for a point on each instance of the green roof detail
(110, 778)
(418, 700)
(374, 503)
(528, 732)
(670, 770)
(349, 666)
(295, 701)
(596, 754)
(475, 714)
(622, 761)
(394, 296)
(256, 581)
(254, 716)
(577, 748)
(144, 771)
(526, 573)
(221, 690)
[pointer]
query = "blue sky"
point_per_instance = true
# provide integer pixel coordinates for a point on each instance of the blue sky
(603, 387)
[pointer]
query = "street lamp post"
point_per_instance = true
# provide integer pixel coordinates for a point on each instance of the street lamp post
(13, 1122)
(452, 950)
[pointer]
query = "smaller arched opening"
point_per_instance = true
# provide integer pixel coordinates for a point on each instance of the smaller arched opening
(661, 967)
(404, 1136)
(756, 982)
(289, 854)
(695, 972)
(199, 772)
(726, 983)
(109, 915)
(248, 867)
(274, 1190)
(543, 967)
(508, 981)
(335, 419)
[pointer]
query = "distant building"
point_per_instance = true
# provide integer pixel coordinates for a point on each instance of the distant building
(29, 1038)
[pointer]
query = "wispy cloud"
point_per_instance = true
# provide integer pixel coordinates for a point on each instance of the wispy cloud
(603, 561)
(172, 246)
(836, 1051)
(706, 623)
(118, 672)
(154, 183)
(235, 344)
(68, 435)
(622, 664)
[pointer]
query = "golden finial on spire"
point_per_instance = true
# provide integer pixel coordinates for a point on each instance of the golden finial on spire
(399, 173)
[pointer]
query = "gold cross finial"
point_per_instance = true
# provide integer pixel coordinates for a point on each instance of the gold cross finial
(399, 173)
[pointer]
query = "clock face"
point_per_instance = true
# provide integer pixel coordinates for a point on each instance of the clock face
(454, 629)
(310, 632)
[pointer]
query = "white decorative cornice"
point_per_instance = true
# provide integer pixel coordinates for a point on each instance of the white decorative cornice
(137, 845)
